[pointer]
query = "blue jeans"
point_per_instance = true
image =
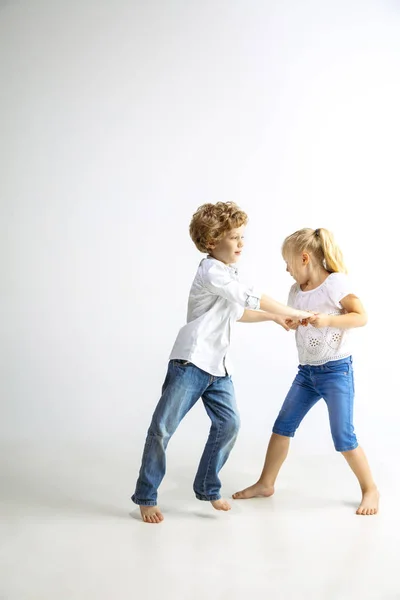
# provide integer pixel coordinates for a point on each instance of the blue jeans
(183, 386)
(334, 382)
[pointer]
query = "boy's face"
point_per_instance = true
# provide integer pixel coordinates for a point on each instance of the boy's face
(229, 249)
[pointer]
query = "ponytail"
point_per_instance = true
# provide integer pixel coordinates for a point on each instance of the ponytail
(318, 242)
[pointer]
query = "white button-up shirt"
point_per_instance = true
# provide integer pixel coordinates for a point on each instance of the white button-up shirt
(216, 301)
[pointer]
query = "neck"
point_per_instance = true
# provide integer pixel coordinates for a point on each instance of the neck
(218, 258)
(316, 277)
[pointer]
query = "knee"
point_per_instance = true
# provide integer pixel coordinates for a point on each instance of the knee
(161, 430)
(344, 442)
(231, 426)
(285, 427)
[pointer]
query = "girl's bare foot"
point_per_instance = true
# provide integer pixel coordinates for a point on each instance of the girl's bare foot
(151, 514)
(221, 504)
(258, 489)
(369, 503)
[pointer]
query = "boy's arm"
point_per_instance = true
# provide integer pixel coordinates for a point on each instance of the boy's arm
(269, 305)
(355, 315)
(258, 316)
(218, 282)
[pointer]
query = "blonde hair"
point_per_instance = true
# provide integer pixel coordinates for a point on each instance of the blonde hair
(211, 222)
(318, 242)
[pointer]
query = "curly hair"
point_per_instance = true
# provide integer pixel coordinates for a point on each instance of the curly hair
(211, 222)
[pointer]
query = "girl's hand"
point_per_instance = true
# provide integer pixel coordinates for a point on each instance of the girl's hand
(319, 320)
(303, 317)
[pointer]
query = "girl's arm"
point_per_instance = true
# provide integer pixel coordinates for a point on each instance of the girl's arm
(258, 316)
(355, 315)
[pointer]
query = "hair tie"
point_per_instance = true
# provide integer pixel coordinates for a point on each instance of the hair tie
(316, 232)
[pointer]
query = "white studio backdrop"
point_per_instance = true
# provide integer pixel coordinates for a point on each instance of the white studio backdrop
(118, 119)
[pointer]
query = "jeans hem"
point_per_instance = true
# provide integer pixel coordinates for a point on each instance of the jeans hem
(209, 498)
(143, 502)
(353, 447)
(284, 433)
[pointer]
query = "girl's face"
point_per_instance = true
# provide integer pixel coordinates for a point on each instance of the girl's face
(229, 249)
(298, 265)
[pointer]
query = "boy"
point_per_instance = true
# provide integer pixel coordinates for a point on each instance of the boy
(199, 363)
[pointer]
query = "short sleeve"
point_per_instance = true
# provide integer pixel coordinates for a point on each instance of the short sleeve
(219, 281)
(339, 286)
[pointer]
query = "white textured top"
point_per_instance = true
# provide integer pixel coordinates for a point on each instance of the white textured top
(318, 346)
(217, 300)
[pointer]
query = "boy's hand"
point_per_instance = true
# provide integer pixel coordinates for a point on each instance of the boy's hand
(319, 320)
(282, 321)
(303, 316)
(292, 324)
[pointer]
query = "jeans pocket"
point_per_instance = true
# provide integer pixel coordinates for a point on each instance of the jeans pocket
(181, 363)
(342, 367)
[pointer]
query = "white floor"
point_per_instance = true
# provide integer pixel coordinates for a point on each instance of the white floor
(69, 532)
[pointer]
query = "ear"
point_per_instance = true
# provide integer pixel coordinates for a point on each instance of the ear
(305, 258)
(211, 246)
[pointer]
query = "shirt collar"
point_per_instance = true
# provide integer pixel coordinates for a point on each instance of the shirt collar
(231, 267)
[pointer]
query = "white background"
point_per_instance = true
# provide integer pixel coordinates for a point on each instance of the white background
(118, 119)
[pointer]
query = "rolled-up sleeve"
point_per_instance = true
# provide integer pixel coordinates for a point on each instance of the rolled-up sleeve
(219, 281)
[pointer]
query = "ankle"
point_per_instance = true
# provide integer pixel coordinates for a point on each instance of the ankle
(372, 487)
(266, 483)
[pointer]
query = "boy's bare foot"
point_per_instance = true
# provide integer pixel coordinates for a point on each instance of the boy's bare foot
(221, 504)
(369, 503)
(258, 489)
(151, 514)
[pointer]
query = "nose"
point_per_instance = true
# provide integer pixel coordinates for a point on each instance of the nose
(240, 244)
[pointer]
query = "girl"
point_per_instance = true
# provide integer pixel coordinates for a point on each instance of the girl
(326, 370)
